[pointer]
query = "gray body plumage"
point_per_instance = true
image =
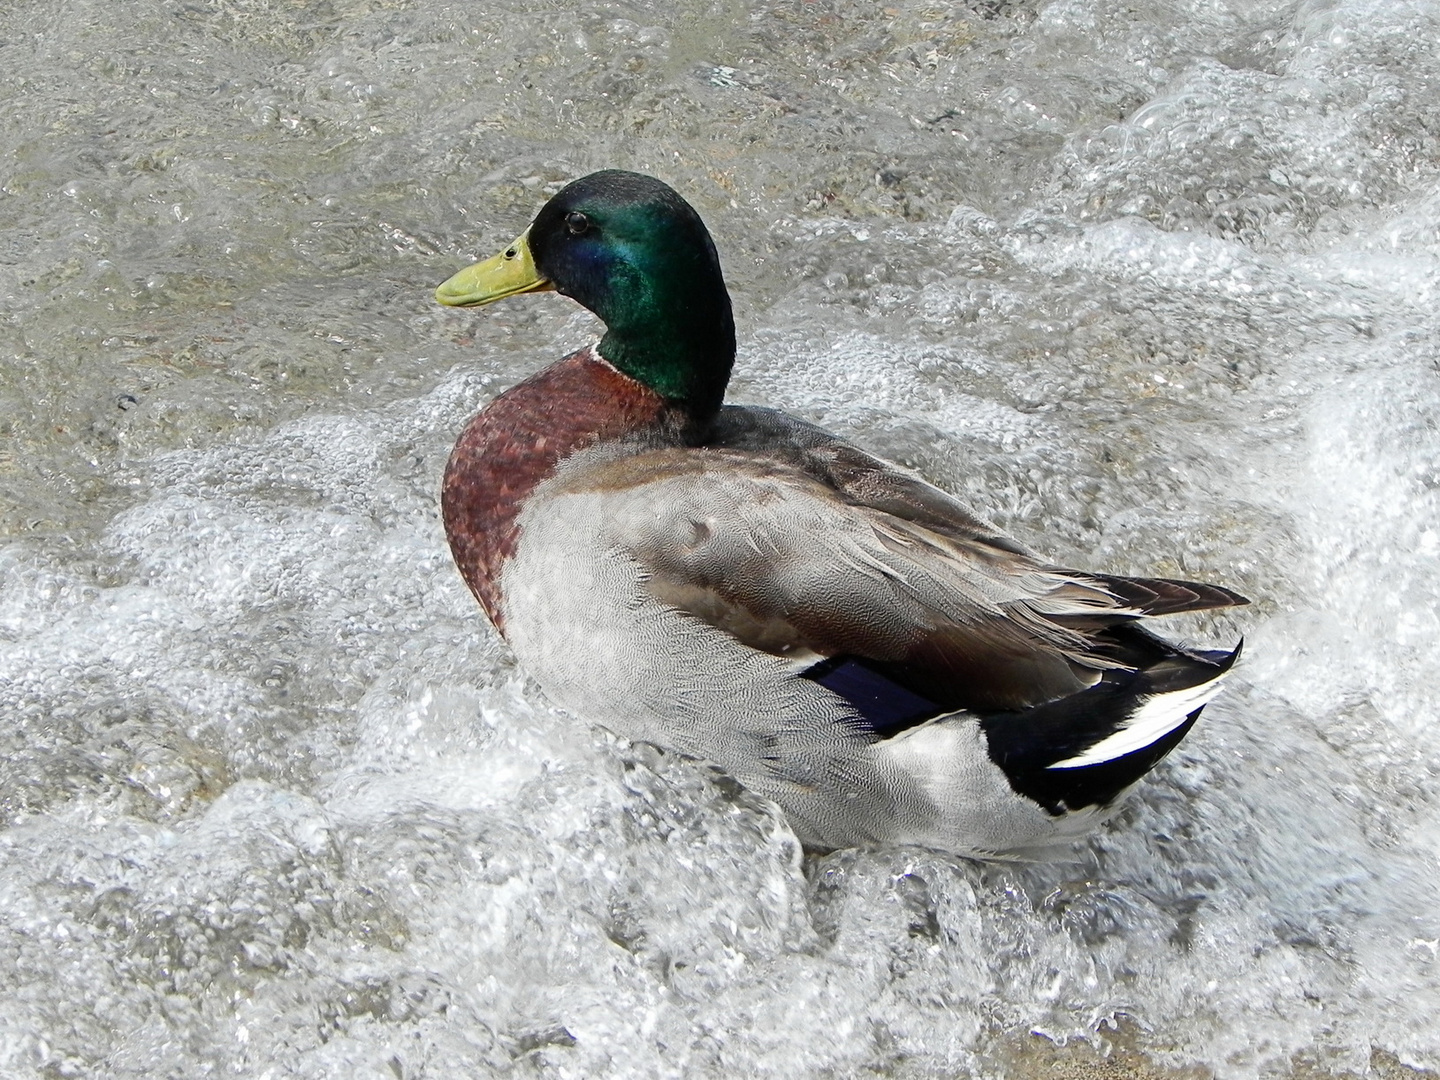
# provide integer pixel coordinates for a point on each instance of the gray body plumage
(678, 594)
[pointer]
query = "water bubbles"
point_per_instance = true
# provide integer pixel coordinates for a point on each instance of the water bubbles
(1152, 286)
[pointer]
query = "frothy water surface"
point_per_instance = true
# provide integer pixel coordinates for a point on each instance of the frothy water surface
(1153, 285)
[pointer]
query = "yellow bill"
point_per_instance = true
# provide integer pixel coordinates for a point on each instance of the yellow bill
(510, 272)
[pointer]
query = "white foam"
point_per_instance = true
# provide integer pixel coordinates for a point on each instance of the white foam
(1156, 294)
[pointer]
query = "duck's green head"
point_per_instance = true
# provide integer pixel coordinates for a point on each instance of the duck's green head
(635, 253)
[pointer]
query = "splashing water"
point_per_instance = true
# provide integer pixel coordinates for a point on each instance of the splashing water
(1152, 285)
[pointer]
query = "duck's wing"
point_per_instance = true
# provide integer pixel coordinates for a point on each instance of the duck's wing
(855, 475)
(867, 480)
(872, 581)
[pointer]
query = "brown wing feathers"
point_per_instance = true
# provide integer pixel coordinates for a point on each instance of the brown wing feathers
(787, 551)
(1163, 596)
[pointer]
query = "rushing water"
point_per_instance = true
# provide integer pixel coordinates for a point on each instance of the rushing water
(1153, 284)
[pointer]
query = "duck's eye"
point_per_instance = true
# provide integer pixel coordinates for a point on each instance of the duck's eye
(577, 223)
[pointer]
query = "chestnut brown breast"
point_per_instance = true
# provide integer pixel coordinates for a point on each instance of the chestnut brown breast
(517, 442)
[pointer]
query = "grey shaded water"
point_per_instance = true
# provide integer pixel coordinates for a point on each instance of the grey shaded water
(1153, 285)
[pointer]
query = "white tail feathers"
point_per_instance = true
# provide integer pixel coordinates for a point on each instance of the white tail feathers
(1154, 718)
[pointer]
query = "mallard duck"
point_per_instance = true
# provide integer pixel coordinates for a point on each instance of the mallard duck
(740, 586)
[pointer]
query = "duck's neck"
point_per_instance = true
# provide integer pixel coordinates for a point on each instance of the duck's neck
(518, 441)
(687, 367)
(678, 339)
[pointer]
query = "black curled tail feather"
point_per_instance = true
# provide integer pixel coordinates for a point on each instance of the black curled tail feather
(1084, 750)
